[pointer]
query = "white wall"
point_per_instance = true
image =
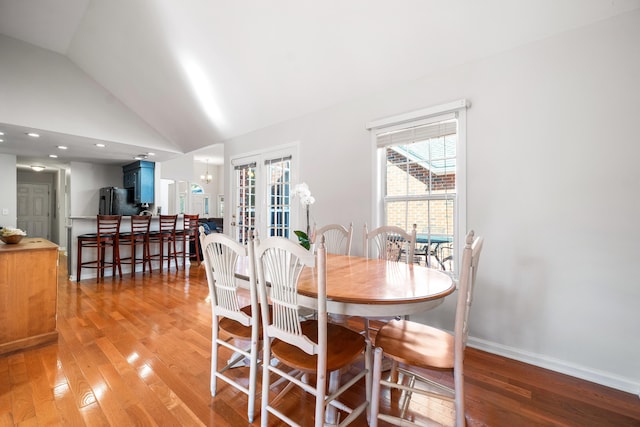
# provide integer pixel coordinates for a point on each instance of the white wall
(86, 181)
(553, 185)
(33, 83)
(178, 169)
(9, 193)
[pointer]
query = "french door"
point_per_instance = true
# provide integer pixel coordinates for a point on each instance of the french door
(261, 187)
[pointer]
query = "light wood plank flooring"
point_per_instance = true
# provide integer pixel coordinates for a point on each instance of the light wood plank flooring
(137, 352)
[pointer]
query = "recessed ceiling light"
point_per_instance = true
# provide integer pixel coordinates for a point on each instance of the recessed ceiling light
(151, 154)
(53, 156)
(62, 147)
(100, 145)
(1, 140)
(138, 158)
(37, 168)
(33, 135)
(1, 133)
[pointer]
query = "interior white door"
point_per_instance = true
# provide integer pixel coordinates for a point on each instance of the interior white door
(33, 210)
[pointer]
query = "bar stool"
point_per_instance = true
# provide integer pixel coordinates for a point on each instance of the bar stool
(108, 229)
(188, 235)
(166, 233)
(138, 236)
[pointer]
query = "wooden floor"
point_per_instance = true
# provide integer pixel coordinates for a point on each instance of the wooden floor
(137, 352)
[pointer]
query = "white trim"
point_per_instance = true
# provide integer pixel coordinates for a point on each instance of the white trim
(460, 225)
(423, 113)
(379, 158)
(556, 365)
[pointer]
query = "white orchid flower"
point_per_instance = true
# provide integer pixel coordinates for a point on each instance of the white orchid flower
(301, 190)
(307, 200)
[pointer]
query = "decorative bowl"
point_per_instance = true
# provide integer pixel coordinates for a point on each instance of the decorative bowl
(12, 239)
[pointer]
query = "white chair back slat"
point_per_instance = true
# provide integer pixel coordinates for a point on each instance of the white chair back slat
(390, 242)
(337, 238)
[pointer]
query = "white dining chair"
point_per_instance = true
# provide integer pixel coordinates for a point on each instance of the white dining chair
(337, 238)
(304, 348)
(241, 323)
(415, 345)
(390, 242)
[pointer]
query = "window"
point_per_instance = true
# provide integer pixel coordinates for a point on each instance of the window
(420, 179)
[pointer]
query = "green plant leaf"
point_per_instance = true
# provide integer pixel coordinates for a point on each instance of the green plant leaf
(303, 238)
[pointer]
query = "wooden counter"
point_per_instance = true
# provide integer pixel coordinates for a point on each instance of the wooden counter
(28, 294)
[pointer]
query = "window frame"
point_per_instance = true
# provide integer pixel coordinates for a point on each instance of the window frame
(457, 109)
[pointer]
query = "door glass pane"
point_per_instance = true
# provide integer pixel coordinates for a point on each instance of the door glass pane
(246, 201)
(278, 173)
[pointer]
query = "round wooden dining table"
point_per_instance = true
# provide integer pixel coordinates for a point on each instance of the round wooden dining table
(358, 286)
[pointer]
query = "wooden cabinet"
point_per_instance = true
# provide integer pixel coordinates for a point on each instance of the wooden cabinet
(28, 294)
(140, 176)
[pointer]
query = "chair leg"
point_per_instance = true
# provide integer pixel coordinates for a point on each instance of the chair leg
(147, 249)
(118, 260)
(214, 357)
(458, 378)
(253, 379)
(185, 245)
(367, 365)
(197, 250)
(175, 255)
(161, 243)
(113, 261)
(133, 256)
(266, 357)
(79, 260)
(100, 262)
(375, 388)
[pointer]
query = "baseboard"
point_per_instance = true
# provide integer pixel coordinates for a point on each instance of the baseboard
(556, 365)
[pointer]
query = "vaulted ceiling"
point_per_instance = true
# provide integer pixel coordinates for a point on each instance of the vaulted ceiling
(200, 72)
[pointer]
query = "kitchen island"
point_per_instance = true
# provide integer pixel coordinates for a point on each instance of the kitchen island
(28, 294)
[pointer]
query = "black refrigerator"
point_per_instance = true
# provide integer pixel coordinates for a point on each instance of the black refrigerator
(117, 201)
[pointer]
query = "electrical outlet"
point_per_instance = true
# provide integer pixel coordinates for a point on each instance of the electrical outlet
(5, 211)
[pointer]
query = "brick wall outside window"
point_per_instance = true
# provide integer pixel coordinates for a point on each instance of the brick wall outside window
(407, 177)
